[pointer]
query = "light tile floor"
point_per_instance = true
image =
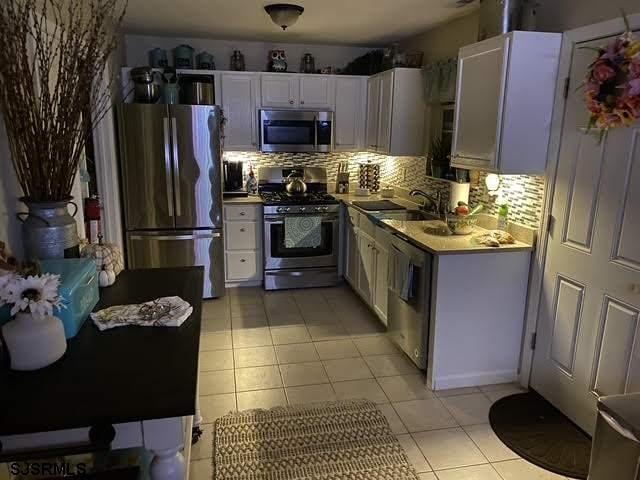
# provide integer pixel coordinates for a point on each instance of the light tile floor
(264, 349)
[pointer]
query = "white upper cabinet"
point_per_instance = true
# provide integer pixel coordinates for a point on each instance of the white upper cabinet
(349, 113)
(316, 91)
(239, 104)
(504, 103)
(396, 112)
(280, 90)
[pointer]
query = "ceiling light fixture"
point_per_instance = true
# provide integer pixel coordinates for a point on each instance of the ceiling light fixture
(284, 14)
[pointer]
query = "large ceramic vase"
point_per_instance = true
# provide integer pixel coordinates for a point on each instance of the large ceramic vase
(34, 342)
(49, 231)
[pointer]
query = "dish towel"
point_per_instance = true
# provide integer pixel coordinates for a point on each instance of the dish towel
(161, 312)
(403, 277)
(302, 231)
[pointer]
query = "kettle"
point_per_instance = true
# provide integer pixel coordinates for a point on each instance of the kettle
(295, 184)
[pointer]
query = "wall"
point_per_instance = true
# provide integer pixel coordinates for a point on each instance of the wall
(524, 193)
(255, 53)
(561, 15)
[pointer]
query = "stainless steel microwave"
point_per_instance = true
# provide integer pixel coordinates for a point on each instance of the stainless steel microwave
(296, 131)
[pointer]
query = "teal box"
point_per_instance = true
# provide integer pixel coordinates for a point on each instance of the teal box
(78, 289)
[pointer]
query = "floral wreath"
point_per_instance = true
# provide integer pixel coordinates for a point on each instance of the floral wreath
(612, 87)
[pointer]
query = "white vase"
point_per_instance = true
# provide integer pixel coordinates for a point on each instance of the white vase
(34, 342)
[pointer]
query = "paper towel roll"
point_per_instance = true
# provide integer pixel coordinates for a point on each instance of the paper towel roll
(459, 192)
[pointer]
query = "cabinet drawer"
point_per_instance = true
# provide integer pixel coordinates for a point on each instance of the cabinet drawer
(241, 212)
(242, 265)
(367, 226)
(383, 238)
(354, 216)
(242, 235)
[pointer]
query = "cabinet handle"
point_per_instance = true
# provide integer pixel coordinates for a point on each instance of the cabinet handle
(242, 229)
(301, 102)
(291, 102)
(242, 260)
(242, 214)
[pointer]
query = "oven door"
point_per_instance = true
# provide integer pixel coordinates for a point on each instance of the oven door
(278, 256)
(296, 131)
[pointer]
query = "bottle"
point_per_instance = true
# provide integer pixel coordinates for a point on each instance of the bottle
(503, 213)
(252, 183)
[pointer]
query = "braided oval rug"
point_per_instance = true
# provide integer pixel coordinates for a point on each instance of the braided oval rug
(331, 441)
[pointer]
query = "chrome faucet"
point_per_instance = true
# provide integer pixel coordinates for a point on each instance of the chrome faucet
(435, 200)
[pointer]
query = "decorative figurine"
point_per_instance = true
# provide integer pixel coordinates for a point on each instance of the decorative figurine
(237, 61)
(277, 61)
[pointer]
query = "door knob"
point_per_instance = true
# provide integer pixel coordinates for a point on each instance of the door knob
(242, 260)
(291, 102)
(242, 214)
(242, 229)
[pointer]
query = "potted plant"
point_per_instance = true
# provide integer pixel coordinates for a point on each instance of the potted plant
(34, 337)
(53, 58)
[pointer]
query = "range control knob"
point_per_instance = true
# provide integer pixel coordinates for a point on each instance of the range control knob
(302, 209)
(288, 209)
(280, 210)
(318, 209)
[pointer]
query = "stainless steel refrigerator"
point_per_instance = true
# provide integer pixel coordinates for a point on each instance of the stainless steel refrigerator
(172, 185)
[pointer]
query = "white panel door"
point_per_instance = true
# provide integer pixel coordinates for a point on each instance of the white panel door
(373, 112)
(589, 325)
(279, 90)
(386, 111)
(316, 91)
(239, 104)
(348, 113)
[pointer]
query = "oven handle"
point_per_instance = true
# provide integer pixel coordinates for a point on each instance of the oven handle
(280, 219)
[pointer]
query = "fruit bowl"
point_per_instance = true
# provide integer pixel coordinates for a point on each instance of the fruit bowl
(462, 224)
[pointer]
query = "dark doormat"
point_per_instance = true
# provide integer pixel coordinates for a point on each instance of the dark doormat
(541, 434)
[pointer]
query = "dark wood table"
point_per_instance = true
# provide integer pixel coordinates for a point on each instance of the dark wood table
(120, 376)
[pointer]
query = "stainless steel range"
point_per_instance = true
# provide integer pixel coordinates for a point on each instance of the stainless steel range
(305, 264)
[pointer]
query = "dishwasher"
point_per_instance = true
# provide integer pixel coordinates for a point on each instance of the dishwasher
(409, 282)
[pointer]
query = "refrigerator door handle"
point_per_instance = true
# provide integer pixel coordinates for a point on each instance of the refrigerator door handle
(167, 166)
(176, 237)
(176, 160)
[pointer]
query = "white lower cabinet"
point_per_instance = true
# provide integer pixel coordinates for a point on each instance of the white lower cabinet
(243, 245)
(366, 259)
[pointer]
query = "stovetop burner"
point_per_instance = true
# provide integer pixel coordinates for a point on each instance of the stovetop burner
(284, 198)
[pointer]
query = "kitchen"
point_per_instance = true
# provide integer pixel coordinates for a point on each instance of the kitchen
(343, 257)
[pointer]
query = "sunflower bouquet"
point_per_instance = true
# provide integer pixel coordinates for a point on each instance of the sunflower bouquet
(24, 289)
(612, 86)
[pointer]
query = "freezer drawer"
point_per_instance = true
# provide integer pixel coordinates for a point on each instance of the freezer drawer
(181, 249)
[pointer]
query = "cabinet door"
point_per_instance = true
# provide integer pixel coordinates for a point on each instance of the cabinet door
(316, 91)
(351, 255)
(478, 120)
(373, 112)
(386, 111)
(366, 274)
(239, 92)
(381, 295)
(348, 114)
(279, 90)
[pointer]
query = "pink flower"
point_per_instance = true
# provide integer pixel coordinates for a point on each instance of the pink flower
(634, 87)
(603, 72)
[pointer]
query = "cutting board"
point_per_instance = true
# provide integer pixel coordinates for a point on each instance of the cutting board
(379, 205)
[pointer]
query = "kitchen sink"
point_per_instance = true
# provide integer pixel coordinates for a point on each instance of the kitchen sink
(406, 215)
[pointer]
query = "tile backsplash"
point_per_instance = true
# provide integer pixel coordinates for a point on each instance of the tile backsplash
(524, 193)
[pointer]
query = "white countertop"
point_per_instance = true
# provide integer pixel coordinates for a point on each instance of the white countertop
(436, 244)
(251, 199)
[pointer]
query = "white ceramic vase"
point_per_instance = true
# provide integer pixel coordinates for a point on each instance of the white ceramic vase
(34, 342)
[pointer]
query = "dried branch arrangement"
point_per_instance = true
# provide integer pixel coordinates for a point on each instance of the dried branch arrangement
(53, 55)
